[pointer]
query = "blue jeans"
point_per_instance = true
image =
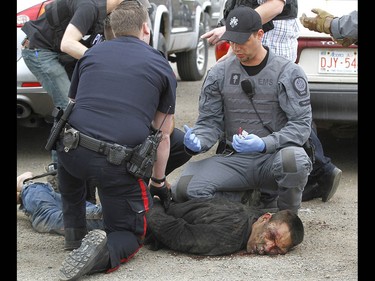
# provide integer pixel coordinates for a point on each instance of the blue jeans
(45, 66)
(44, 207)
(47, 69)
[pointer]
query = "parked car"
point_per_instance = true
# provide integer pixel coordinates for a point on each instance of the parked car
(33, 102)
(176, 29)
(331, 69)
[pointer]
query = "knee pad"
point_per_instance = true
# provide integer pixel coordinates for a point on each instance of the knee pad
(292, 168)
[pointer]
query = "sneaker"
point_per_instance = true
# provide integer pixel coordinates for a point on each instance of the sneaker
(330, 184)
(81, 261)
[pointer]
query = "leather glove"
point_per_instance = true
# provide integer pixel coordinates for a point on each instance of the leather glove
(164, 193)
(345, 42)
(191, 141)
(250, 143)
(320, 23)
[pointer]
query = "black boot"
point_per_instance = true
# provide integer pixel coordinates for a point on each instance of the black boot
(90, 258)
(73, 238)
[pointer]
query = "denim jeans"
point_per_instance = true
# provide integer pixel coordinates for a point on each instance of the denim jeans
(44, 207)
(47, 69)
(45, 66)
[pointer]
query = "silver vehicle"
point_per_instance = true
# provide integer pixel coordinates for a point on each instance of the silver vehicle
(176, 29)
(33, 102)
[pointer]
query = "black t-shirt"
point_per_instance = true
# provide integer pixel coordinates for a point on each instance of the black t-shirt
(203, 226)
(84, 15)
(118, 85)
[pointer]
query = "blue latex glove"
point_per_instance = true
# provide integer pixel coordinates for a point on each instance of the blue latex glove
(251, 143)
(191, 141)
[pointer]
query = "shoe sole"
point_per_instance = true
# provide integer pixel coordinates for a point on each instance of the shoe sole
(335, 184)
(80, 261)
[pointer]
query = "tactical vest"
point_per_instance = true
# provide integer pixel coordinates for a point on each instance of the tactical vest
(290, 10)
(238, 110)
(59, 13)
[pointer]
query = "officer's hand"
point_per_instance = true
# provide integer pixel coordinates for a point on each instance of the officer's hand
(251, 143)
(191, 141)
(164, 193)
(345, 42)
(320, 23)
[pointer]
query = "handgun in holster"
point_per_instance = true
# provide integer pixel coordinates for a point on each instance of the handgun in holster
(61, 117)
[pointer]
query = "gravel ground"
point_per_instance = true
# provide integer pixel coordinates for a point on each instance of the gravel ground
(328, 252)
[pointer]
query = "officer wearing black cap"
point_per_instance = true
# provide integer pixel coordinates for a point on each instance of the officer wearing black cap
(260, 102)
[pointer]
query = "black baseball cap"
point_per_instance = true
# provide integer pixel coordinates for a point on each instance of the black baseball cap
(241, 22)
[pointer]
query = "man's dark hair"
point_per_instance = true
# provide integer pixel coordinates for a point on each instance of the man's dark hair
(294, 223)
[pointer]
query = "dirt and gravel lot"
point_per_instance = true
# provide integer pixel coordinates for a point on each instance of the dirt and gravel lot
(328, 252)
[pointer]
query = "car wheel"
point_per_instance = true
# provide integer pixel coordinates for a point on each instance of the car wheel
(192, 65)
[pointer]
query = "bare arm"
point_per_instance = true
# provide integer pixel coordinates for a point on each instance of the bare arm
(267, 11)
(70, 42)
(164, 146)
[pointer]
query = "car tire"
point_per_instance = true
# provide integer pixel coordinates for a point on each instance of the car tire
(192, 65)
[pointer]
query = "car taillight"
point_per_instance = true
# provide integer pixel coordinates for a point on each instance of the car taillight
(221, 48)
(31, 13)
(31, 84)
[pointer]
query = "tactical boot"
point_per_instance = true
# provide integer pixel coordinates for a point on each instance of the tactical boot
(73, 238)
(311, 191)
(91, 257)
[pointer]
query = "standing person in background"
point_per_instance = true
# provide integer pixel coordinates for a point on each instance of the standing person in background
(343, 30)
(113, 116)
(279, 19)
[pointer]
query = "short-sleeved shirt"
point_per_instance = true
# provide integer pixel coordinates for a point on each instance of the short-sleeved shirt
(84, 16)
(118, 86)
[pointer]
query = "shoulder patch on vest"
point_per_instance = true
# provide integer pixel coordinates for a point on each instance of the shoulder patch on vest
(300, 85)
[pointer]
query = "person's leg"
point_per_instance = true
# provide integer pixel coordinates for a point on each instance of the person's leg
(291, 168)
(43, 206)
(71, 168)
(325, 176)
(125, 201)
(219, 175)
(47, 69)
(177, 156)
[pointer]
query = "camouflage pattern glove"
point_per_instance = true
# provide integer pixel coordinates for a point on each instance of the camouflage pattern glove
(164, 193)
(320, 23)
(345, 42)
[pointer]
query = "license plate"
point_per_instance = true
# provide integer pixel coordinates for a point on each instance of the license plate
(334, 61)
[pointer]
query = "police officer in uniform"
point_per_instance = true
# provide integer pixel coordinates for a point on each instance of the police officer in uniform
(116, 104)
(268, 97)
(54, 43)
